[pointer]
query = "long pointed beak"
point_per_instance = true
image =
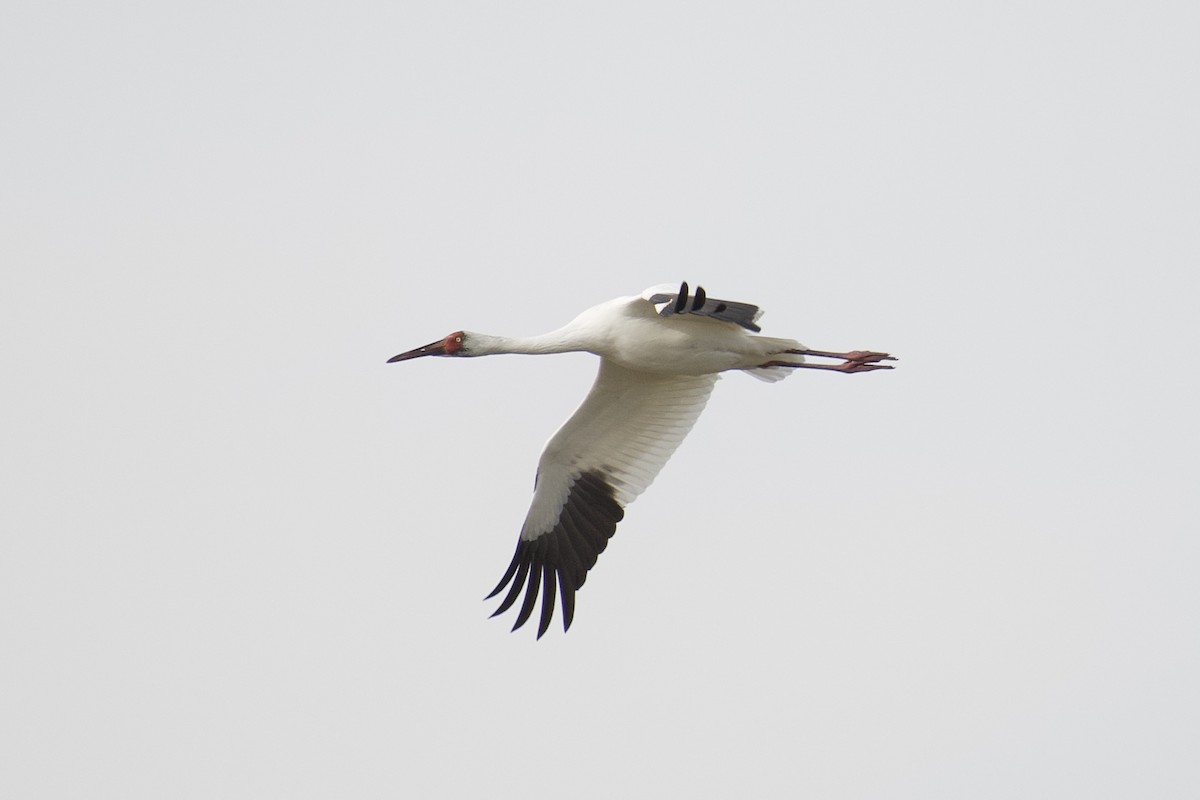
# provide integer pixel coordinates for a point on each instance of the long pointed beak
(437, 348)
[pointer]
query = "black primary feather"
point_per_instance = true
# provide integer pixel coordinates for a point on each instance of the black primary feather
(587, 521)
(742, 314)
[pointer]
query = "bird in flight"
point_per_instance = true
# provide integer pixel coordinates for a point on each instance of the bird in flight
(660, 355)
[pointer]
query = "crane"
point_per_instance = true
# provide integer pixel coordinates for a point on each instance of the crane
(660, 355)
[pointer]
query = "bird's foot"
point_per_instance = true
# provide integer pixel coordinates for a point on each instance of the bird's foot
(864, 361)
(854, 365)
(865, 356)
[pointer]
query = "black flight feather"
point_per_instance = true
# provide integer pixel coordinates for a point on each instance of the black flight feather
(562, 555)
(742, 314)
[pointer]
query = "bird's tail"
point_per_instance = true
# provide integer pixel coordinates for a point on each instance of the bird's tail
(776, 350)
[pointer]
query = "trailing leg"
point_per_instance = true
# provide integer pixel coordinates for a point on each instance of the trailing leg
(855, 361)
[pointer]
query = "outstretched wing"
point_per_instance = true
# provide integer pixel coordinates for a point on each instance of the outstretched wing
(742, 314)
(603, 457)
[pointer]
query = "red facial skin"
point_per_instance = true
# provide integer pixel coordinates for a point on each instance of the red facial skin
(453, 343)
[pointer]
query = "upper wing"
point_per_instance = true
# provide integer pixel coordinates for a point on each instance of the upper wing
(603, 457)
(743, 314)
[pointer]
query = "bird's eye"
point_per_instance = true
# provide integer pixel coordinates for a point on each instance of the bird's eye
(458, 340)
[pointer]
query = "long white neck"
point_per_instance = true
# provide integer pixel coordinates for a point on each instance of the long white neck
(563, 340)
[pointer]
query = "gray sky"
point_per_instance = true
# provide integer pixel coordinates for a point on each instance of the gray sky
(242, 557)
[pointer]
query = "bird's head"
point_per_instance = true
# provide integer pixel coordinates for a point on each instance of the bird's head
(453, 345)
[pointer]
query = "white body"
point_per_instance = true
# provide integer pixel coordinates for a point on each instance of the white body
(630, 332)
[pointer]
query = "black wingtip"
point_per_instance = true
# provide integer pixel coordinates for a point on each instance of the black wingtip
(558, 564)
(508, 574)
(568, 606)
(698, 303)
(681, 300)
(531, 593)
(549, 579)
(517, 585)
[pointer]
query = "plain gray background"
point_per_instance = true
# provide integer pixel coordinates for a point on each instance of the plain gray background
(243, 558)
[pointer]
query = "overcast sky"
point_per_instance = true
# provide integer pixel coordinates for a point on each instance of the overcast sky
(242, 557)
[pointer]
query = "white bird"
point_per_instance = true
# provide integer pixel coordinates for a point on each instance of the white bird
(660, 355)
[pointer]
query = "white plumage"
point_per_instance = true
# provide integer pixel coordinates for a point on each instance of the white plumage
(660, 356)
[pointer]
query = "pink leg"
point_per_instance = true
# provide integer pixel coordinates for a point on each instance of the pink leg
(862, 356)
(855, 361)
(845, 366)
